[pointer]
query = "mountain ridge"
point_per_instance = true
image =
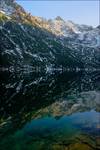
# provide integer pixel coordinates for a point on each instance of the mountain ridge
(43, 42)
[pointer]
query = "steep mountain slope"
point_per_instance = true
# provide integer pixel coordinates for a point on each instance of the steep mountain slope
(33, 42)
(25, 42)
(78, 33)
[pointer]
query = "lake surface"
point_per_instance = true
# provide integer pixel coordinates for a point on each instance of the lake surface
(58, 111)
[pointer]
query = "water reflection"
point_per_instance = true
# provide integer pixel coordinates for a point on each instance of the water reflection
(56, 111)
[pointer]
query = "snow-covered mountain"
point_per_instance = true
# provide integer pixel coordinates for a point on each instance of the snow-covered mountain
(9, 7)
(28, 40)
(82, 33)
(62, 27)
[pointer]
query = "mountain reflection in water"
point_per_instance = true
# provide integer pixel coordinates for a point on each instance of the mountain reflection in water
(59, 111)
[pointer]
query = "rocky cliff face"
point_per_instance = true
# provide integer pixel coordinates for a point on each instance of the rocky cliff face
(78, 33)
(39, 43)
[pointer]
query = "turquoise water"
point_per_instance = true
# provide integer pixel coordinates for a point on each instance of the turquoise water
(49, 131)
(58, 112)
